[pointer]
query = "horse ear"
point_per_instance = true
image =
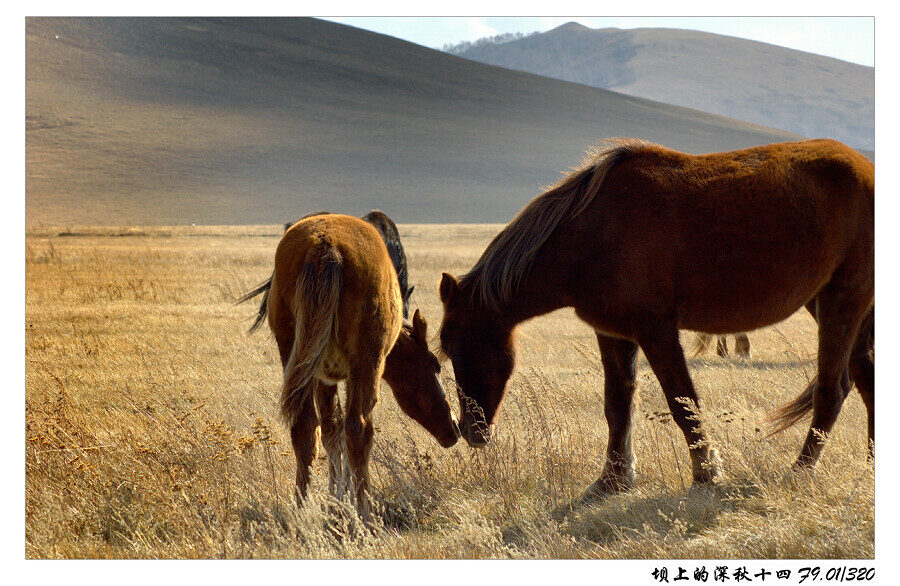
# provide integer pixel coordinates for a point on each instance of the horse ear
(409, 292)
(420, 328)
(449, 288)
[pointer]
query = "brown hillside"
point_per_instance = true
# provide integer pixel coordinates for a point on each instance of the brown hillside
(241, 121)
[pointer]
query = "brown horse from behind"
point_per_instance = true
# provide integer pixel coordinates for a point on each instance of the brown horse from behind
(633, 241)
(391, 236)
(335, 309)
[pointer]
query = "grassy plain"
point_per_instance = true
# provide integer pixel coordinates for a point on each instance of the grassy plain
(152, 428)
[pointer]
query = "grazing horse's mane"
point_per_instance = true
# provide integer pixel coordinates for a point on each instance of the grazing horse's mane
(497, 274)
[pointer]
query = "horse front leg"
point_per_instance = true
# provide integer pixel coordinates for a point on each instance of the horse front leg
(659, 341)
(619, 359)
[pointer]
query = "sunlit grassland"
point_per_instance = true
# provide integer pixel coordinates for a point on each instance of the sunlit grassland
(152, 427)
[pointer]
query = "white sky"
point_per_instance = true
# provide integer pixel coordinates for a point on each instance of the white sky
(851, 38)
(848, 38)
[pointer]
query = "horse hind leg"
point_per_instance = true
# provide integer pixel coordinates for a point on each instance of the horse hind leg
(701, 345)
(722, 346)
(305, 426)
(331, 421)
(862, 372)
(362, 394)
(742, 345)
(304, 440)
(839, 314)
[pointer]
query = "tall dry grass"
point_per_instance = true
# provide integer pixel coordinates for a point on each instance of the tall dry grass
(152, 428)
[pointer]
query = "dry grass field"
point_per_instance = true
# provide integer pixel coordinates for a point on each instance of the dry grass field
(152, 428)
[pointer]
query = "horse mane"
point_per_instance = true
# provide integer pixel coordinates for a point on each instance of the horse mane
(498, 273)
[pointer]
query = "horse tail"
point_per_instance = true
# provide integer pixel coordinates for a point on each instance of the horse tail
(263, 289)
(794, 411)
(787, 415)
(701, 344)
(266, 285)
(315, 307)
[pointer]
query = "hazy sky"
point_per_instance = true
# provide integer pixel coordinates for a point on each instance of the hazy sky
(847, 38)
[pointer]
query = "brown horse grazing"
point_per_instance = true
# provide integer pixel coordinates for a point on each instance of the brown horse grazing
(741, 345)
(334, 307)
(632, 240)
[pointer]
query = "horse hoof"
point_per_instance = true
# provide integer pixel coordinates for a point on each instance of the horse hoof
(798, 475)
(708, 479)
(709, 471)
(606, 485)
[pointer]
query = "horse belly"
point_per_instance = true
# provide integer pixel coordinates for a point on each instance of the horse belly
(725, 318)
(743, 279)
(741, 304)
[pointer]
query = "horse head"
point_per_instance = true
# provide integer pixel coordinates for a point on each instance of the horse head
(412, 372)
(482, 351)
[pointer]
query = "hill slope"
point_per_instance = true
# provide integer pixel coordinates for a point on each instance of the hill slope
(761, 83)
(239, 121)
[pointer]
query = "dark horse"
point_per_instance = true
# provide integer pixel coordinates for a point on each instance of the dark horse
(633, 241)
(334, 306)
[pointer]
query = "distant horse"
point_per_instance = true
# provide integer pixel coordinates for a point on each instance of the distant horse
(632, 240)
(741, 345)
(333, 304)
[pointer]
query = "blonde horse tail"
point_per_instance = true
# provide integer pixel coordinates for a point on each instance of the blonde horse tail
(701, 344)
(315, 307)
(786, 416)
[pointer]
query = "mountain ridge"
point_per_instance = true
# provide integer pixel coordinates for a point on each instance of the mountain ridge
(763, 83)
(254, 121)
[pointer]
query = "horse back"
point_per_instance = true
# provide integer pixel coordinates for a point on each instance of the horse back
(369, 312)
(707, 237)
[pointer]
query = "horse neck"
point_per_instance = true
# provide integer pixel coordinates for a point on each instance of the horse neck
(541, 291)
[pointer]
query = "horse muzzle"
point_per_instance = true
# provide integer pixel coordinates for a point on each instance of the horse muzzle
(476, 433)
(450, 441)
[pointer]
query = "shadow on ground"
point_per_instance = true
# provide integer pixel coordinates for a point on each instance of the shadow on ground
(641, 511)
